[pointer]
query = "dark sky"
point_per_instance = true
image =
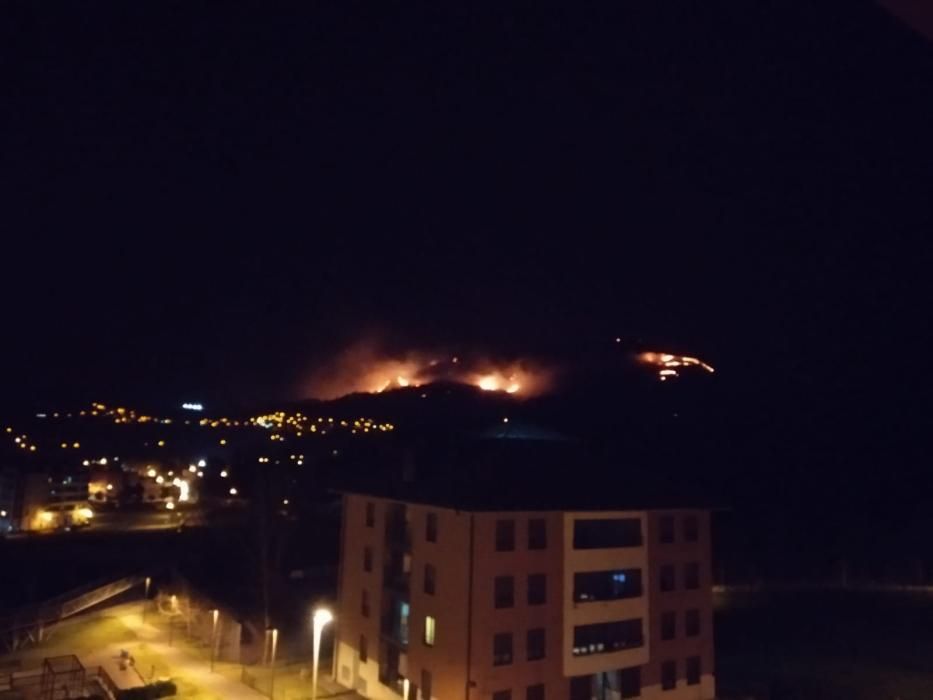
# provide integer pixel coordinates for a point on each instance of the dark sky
(202, 200)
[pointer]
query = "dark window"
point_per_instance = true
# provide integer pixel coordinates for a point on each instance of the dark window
(537, 535)
(607, 534)
(667, 577)
(505, 535)
(668, 675)
(367, 558)
(692, 623)
(364, 652)
(666, 529)
(426, 684)
(504, 592)
(502, 649)
(581, 688)
(429, 576)
(502, 695)
(535, 644)
(692, 576)
(605, 637)
(364, 604)
(693, 670)
(691, 528)
(606, 585)
(537, 589)
(534, 692)
(430, 528)
(668, 625)
(370, 514)
(630, 682)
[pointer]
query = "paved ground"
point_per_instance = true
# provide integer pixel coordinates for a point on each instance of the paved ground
(99, 638)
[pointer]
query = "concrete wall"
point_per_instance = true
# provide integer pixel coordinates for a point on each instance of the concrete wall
(679, 553)
(488, 621)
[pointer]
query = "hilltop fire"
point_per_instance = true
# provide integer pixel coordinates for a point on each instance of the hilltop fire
(363, 369)
(669, 365)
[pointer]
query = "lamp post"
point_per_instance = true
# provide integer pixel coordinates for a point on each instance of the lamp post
(320, 619)
(215, 613)
(146, 597)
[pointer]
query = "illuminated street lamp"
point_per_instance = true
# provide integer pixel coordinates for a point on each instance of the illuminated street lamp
(215, 613)
(320, 619)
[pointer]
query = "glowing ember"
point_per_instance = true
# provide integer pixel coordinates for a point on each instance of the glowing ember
(364, 369)
(668, 365)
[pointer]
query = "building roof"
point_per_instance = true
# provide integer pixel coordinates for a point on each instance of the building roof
(529, 474)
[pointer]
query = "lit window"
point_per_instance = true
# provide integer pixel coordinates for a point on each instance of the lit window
(429, 628)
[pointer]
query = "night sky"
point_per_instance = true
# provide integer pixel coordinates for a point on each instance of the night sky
(206, 200)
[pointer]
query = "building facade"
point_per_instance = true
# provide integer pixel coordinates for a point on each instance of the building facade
(444, 603)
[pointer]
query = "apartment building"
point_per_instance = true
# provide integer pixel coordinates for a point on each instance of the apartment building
(446, 600)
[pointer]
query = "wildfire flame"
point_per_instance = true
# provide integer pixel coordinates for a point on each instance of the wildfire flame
(364, 368)
(668, 365)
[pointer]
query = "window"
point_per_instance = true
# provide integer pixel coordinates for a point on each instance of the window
(426, 685)
(502, 649)
(666, 529)
(605, 637)
(692, 576)
(505, 535)
(630, 682)
(364, 604)
(691, 528)
(430, 574)
(502, 695)
(535, 644)
(504, 592)
(607, 534)
(430, 528)
(606, 585)
(535, 692)
(364, 651)
(370, 514)
(429, 628)
(692, 623)
(581, 688)
(667, 577)
(693, 670)
(668, 675)
(668, 625)
(537, 589)
(537, 535)
(367, 559)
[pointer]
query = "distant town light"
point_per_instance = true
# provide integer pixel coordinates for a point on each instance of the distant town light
(151, 473)
(284, 501)
(2, 513)
(233, 491)
(192, 406)
(102, 461)
(86, 463)
(110, 487)
(169, 505)
(76, 445)
(202, 463)
(201, 475)
(223, 474)
(159, 479)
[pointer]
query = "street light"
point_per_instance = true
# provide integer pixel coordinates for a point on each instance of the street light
(321, 618)
(216, 615)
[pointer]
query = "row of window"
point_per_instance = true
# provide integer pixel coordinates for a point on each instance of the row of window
(692, 671)
(624, 683)
(667, 575)
(669, 624)
(603, 533)
(504, 590)
(667, 529)
(535, 646)
(588, 586)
